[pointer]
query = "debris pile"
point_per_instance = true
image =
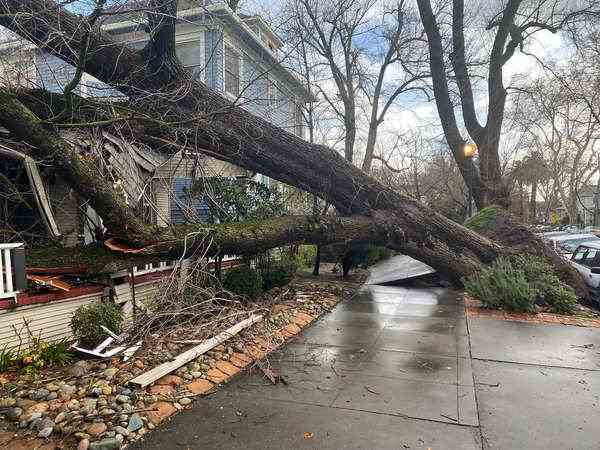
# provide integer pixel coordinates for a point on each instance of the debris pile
(98, 404)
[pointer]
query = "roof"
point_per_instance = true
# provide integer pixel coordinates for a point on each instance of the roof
(592, 244)
(570, 237)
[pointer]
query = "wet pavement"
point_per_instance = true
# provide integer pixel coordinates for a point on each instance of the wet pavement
(400, 367)
(388, 369)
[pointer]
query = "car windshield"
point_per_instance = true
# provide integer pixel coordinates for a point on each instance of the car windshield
(570, 245)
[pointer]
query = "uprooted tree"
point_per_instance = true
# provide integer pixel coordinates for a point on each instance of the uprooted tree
(170, 110)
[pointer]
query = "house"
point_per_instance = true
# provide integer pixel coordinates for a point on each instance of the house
(234, 54)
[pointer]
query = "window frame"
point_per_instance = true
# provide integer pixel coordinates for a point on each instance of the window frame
(226, 72)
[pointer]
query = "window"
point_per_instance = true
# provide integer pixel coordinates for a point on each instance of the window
(590, 258)
(274, 93)
(298, 120)
(232, 71)
(580, 254)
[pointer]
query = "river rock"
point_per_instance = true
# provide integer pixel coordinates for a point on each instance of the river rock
(96, 429)
(110, 372)
(39, 394)
(79, 369)
(105, 444)
(135, 422)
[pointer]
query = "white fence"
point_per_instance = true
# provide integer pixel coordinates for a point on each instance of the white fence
(7, 276)
(153, 267)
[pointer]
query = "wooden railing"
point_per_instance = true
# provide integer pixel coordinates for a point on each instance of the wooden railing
(11, 271)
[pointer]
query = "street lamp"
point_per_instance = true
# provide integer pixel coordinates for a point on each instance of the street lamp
(469, 151)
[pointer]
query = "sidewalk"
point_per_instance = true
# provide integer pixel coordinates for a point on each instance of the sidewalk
(400, 367)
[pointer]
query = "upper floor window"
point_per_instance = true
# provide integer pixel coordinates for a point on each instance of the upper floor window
(274, 93)
(232, 71)
(298, 120)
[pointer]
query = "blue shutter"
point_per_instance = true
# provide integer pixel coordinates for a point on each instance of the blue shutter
(184, 209)
(214, 59)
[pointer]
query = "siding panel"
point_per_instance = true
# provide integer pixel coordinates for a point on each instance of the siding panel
(49, 321)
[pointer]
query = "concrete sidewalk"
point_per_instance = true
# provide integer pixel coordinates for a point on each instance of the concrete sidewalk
(400, 367)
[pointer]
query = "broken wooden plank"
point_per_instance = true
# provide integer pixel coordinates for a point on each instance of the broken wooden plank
(104, 355)
(52, 281)
(37, 186)
(40, 195)
(166, 368)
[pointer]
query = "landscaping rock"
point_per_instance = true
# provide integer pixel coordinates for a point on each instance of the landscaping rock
(122, 399)
(84, 444)
(135, 422)
(96, 429)
(79, 369)
(161, 411)
(105, 444)
(121, 430)
(110, 373)
(39, 394)
(185, 401)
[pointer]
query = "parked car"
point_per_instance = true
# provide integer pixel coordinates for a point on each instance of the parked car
(586, 259)
(566, 244)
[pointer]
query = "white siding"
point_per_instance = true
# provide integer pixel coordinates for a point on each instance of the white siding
(50, 321)
(144, 292)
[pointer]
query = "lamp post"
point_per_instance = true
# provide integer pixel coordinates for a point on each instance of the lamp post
(469, 151)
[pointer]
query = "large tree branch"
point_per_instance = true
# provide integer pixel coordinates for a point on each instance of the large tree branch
(230, 133)
(459, 65)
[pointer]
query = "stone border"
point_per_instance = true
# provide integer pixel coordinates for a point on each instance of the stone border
(474, 308)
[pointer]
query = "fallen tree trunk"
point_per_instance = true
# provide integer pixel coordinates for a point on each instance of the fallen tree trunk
(230, 133)
(182, 113)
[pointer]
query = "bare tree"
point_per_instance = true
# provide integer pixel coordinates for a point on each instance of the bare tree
(511, 25)
(565, 134)
(361, 42)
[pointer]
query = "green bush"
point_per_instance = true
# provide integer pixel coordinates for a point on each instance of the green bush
(482, 219)
(279, 274)
(8, 358)
(375, 254)
(243, 280)
(519, 283)
(306, 256)
(87, 320)
(501, 285)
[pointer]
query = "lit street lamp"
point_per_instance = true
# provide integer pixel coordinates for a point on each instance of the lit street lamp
(469, 151)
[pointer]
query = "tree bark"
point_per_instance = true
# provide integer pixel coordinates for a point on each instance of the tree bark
(198, 119)
(230, 133)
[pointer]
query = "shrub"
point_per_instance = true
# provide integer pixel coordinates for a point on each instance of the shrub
(375, 254)
(8, 358)
(56, 353)
(87, 320)
(42, 353)
(501, 285)
(482, 219)
(243, 280)
(551, 291)
(306, 256)
(365, 255)
(279, 274)
(519, 283)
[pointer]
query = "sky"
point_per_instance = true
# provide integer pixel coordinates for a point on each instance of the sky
(412, 113)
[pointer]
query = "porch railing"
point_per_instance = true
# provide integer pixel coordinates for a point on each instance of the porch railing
(12, 270)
